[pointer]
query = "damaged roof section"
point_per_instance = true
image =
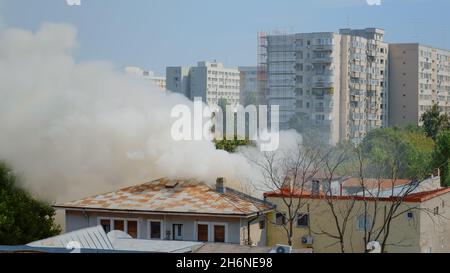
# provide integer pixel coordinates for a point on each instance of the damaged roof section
(174, 196)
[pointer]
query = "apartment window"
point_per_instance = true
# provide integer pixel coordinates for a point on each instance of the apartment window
(280, 219)
(436, 211)
(303, 220)
(410, 215)
(363, 222)
(155, 229)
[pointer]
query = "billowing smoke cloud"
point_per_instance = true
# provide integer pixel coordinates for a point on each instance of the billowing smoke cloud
(74, 129)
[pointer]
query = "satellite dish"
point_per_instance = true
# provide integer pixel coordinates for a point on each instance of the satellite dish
(374, 247)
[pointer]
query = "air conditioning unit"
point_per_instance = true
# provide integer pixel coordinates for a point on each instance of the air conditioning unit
(281, 249)
(307, 240)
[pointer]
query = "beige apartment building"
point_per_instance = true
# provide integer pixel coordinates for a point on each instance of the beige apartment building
(420, 78)
(421, 224)
(338, 81)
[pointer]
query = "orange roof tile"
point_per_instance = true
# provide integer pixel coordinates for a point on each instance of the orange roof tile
(188, 196)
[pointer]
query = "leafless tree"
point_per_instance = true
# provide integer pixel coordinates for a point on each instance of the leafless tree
(335, 165)
(289, 173)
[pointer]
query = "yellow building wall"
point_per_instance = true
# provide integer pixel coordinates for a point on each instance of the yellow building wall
(406, 235)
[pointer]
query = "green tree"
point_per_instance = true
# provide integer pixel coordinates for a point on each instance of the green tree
(22, 218)
(230, 145)
(434, 122)
(397, 152)
(441, 156)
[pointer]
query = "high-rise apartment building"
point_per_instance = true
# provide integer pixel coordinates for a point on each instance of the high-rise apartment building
(248, 84)
(209, 80)
(420, 78)
(178, 81)
(338, 82)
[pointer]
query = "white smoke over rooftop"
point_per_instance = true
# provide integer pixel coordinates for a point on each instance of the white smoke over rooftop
(74, 129)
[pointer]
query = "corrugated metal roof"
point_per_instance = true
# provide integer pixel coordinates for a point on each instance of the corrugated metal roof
(176, 196)
(89, 238)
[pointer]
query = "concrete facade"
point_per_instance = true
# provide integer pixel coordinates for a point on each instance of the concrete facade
(338, 81)
(248, 85)
(210, 81)
(178, 81)
(420, 78)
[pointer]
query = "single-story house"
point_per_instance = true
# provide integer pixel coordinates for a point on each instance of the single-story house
(183, 210)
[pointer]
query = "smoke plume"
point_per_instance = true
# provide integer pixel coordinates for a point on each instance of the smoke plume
(74, 129)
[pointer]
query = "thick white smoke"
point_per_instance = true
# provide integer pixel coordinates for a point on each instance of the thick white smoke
(74, 129)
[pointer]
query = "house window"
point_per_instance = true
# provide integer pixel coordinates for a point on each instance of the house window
(219, 233)
(132, 228)
(155, 227)
(106, 225)
(129, 226)
(119, 225)
(280, 219)
(203, 232)
(303, 220)
(363, 222)
(177, 232)
(409, 216)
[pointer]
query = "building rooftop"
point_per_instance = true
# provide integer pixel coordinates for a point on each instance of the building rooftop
(174, 196)
(372, 183)
(385, 185)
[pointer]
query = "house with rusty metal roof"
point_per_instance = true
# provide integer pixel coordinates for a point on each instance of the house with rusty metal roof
(183, 210)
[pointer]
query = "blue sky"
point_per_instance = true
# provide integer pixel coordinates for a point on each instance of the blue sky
(159, 33)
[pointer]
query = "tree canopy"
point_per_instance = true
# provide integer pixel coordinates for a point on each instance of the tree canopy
(399, 152)
(22, 218)
(441, 156)
(434, 122)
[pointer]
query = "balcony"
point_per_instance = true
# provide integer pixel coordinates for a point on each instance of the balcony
(322, 47)
(322, 81)
(322, 59)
